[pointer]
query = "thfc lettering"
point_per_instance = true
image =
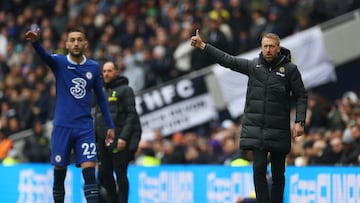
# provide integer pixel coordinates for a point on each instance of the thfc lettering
(165, 95)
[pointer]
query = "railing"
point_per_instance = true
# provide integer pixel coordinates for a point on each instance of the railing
(340, 19)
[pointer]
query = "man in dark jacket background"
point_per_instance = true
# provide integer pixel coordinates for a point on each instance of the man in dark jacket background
(273, 81)
(116, 156)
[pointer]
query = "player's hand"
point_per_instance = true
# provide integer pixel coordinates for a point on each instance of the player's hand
(109, 137)
(298, 130)
(121, 144)
(32, 36)
(196, 41)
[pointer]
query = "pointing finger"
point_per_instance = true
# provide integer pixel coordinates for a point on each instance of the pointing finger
(197, 32)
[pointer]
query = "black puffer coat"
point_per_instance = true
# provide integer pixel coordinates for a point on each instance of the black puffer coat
(266, 119)
(121, 101)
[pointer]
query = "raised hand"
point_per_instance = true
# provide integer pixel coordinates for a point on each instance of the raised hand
(196, 41)
(32, 36)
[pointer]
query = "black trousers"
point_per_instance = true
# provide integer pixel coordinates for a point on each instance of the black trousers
(117, 190)
(269, 190)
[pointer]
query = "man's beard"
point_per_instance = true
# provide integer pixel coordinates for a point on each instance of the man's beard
(77, 54)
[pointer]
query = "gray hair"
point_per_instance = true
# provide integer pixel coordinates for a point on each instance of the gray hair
(271, 36)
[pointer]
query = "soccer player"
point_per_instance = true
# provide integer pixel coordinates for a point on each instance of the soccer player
(76, 76)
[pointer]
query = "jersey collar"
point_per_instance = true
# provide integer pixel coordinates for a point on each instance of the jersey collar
(73, 62)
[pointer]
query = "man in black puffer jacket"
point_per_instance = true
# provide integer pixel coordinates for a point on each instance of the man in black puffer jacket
(273, 80)
(117, 155)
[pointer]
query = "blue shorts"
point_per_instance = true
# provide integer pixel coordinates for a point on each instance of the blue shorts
(64, 139)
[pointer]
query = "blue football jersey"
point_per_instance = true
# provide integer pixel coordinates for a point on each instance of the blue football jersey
(74, 86)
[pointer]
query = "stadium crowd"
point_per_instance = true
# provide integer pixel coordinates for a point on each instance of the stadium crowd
(149, 40)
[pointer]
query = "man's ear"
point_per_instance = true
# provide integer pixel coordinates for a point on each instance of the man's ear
(86, 44)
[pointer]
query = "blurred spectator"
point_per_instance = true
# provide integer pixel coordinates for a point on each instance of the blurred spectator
(169, 156)
(52, 102)
(206, 151)
(131, 70)
(145, 155)
(60, 20)
(317, 113)
(25, 107)
(242, 43)
(222, 16)
(302, 23)
(351, 155)
(3, 41)
(257, 27)
(273, 24)
(230, 151)
(161, 64)
(37, 146)
(243, 158)
(5, 145)
(6, 112)
(42, 98)
(128, 37)
(4, 68)
(333, 152)
(100, 56)
(179, 141)
(193, 155)
(303, 159)
(11, 159)
(239, 22)
(182, 53)
(148, 158)
(281, 14)
(142, 56)
(317, 152)
(13, 125)
(14, 80)
(335, 120)
(347, 104)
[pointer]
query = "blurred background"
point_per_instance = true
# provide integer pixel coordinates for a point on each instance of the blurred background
(190, 108)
